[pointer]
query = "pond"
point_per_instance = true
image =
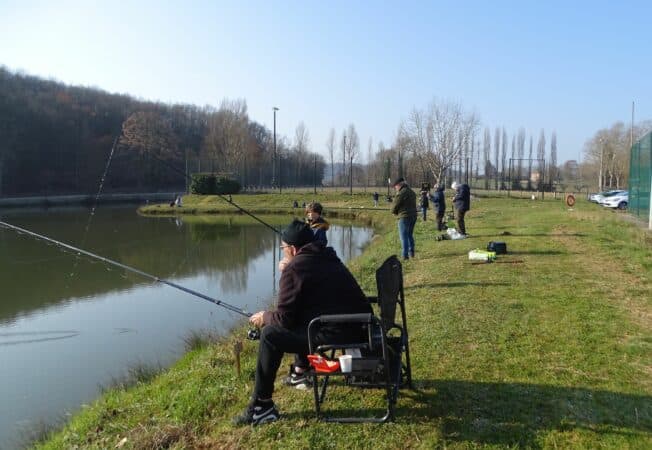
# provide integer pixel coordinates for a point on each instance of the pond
(71, 325)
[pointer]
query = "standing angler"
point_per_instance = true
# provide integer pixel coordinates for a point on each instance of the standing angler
(462, 203)
(439, 205)
(405, 207)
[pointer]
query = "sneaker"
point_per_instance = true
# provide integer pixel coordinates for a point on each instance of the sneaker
(301, 381)
(257, 413)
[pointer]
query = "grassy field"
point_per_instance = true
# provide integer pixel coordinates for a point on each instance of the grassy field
(548, 347)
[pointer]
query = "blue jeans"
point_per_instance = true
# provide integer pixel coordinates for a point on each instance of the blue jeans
(406, 233)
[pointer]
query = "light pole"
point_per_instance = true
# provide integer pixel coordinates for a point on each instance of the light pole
(275, 153)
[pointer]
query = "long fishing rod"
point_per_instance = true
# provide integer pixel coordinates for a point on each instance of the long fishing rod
(229, 201)
(231, 308)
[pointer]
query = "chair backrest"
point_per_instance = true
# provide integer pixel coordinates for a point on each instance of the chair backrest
(389, 282)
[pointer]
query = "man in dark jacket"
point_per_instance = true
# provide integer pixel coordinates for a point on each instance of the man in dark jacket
(462, 203)
(439, 205)
(405, 207)
(314, 282)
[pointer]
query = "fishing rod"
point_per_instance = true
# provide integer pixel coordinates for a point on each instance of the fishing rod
(228, 200)
(215, 301)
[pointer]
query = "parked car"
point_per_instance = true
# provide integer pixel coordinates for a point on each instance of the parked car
(619, 200)
(597, 198)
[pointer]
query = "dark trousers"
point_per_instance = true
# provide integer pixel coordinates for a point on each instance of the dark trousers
(275, 341)
(424, 211)
(440, 220)
(459, 218)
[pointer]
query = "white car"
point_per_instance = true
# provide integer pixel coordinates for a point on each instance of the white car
(619, 201)
(597, 198)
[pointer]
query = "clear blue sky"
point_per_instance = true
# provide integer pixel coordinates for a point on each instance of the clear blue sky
(572, 67)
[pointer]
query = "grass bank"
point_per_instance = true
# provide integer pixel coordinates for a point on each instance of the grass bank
(549, 347)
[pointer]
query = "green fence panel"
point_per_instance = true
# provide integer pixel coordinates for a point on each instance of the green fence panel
(640, 177)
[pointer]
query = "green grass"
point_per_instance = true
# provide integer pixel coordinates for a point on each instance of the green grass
(549, 347)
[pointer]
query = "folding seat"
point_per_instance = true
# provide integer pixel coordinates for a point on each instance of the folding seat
(381, 360)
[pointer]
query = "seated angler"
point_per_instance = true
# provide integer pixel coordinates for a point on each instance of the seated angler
(314, 282)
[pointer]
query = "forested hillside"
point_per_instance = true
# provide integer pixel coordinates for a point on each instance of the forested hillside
(56, 139)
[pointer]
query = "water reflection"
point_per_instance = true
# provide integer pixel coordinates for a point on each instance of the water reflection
(63, 335)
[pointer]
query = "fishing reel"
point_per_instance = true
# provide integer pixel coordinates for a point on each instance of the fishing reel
(253, 334)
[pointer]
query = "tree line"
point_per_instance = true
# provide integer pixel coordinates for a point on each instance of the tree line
(56, 139)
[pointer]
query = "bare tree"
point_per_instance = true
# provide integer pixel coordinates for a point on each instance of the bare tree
(496, 155)
(503, 159)
(301, 147)
(552, 170)
(370, 155)
(608, 152)
(343, 147)
(529, 165)
(352, 148)
(520, 149)
(438, 134)
(541, 156)
(330, 145)
(486, 152)
(227, 134)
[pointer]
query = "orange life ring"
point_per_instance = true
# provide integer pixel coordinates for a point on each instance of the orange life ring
(570, 200)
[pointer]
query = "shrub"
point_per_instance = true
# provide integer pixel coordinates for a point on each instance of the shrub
(209, 183)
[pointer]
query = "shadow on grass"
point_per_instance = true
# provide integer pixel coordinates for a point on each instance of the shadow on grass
(516, 413)
(461, 284)
(537, 252)
(510, 235)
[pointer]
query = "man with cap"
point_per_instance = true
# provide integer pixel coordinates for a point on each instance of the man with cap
(405, 207)
(314, 282)
(462, 203)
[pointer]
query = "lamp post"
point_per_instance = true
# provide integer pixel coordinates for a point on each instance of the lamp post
(275, 153)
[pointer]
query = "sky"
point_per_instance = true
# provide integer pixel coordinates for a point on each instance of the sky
(566, 67)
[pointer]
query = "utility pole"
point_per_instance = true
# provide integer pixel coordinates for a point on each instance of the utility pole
(631, 130)
(275, 159)
(314, 175)
(344, 161)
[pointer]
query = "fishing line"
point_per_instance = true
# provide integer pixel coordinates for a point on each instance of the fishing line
(97, 197)
(78, 251)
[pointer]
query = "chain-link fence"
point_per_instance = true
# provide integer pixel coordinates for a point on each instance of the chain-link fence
(640, 178)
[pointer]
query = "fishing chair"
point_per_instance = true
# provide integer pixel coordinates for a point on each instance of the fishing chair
(385, 354)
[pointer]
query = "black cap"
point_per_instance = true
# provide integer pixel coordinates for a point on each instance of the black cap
(398, 181)
(298, 233)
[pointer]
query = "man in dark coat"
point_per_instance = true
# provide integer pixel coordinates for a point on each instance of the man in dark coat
(314, 282)
(405, 207)
(439, 205)
(462, 203)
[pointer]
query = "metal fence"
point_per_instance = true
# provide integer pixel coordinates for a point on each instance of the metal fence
(640, 179)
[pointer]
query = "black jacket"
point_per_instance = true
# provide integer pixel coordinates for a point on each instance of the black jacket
(423, 201)
(315, 282)
(462, 199)
(439, 200)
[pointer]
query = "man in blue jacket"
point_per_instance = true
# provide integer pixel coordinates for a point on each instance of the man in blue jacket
(439, 205)
(462, 203)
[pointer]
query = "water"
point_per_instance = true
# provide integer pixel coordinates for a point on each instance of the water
(70, 325)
